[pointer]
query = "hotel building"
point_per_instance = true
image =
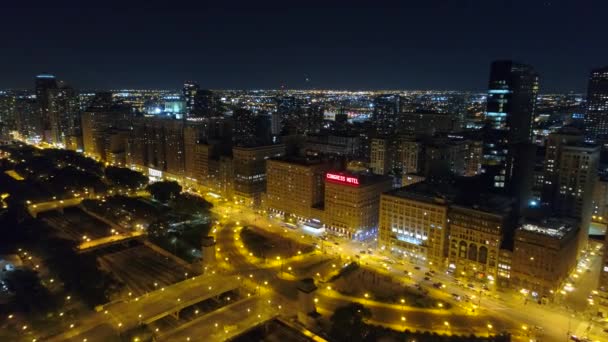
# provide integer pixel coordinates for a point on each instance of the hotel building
(352, 202)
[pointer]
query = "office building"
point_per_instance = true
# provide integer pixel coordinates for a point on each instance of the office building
(396, 155)
(510, 111)
(596, 118)
(602, 287)
(382, 155)
(156, 146)
(385, 114)
(96, 121)
(600, 200)
(249, 165)
(189, 91)
(339, 144)
(64, 113)
(544, 254)
(577, 176)
(554, 147)
(427, 123)
(414, 222)
(444, 156)
(45, 84)
(511, 100)
(352, 202)
(476, 233)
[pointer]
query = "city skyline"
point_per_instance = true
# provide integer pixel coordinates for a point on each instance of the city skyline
(396, 46)
(278, 171)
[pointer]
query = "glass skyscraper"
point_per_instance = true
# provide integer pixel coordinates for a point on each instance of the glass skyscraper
(596, 119)
(511, 102)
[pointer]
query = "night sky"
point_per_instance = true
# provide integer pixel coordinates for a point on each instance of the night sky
(268, 44)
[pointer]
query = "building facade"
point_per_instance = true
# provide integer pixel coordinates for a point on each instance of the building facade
(250, 171)
(476, 234)
(543, 255)
(596, 119)
(352, 202)
(295, 186)
(413, 224)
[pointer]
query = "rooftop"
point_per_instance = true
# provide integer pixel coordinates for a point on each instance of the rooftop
(556, 228)
(362, 178)
(302, 161)
(427, 192)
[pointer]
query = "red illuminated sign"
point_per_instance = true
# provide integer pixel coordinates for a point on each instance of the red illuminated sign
(348, 180)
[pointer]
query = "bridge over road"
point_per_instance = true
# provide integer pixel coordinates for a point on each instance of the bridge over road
(169, 300)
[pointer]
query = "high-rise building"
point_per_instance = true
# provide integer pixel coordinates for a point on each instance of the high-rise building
(427, 123)
(352, 202)
(384, 117)
(189, 92)
(158, 143)
(596, 119)
(249, 165)
(64, 113)
(600, 200)
(382, 155)
(340, 144)
(554, 147)
(603, 281)
(45, 84)
(577, 176)
(444, 155)
(95, 127)
(7, 110)
(206, 104)
(511, 103)
(511, 100)
(27, 114)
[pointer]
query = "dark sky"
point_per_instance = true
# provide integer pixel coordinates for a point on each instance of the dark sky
(266, 44)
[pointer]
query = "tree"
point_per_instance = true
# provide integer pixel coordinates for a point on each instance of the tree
(124, 177)
(347, 323)
(165, 190)
(190, 205)
(30, 294)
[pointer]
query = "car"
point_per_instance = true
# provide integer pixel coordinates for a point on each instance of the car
(456, 296)
(427, 274)
(438, 285)
(337, 244)
(362, 252)
(427, 278)
(432, 271)
(485, 287)
(471, 286)
(417, 267)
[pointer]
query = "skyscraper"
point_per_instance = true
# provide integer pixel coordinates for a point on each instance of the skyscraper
(45, 84)
(190, 91)
(511, 103)
(596, 120)
(385, 112)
